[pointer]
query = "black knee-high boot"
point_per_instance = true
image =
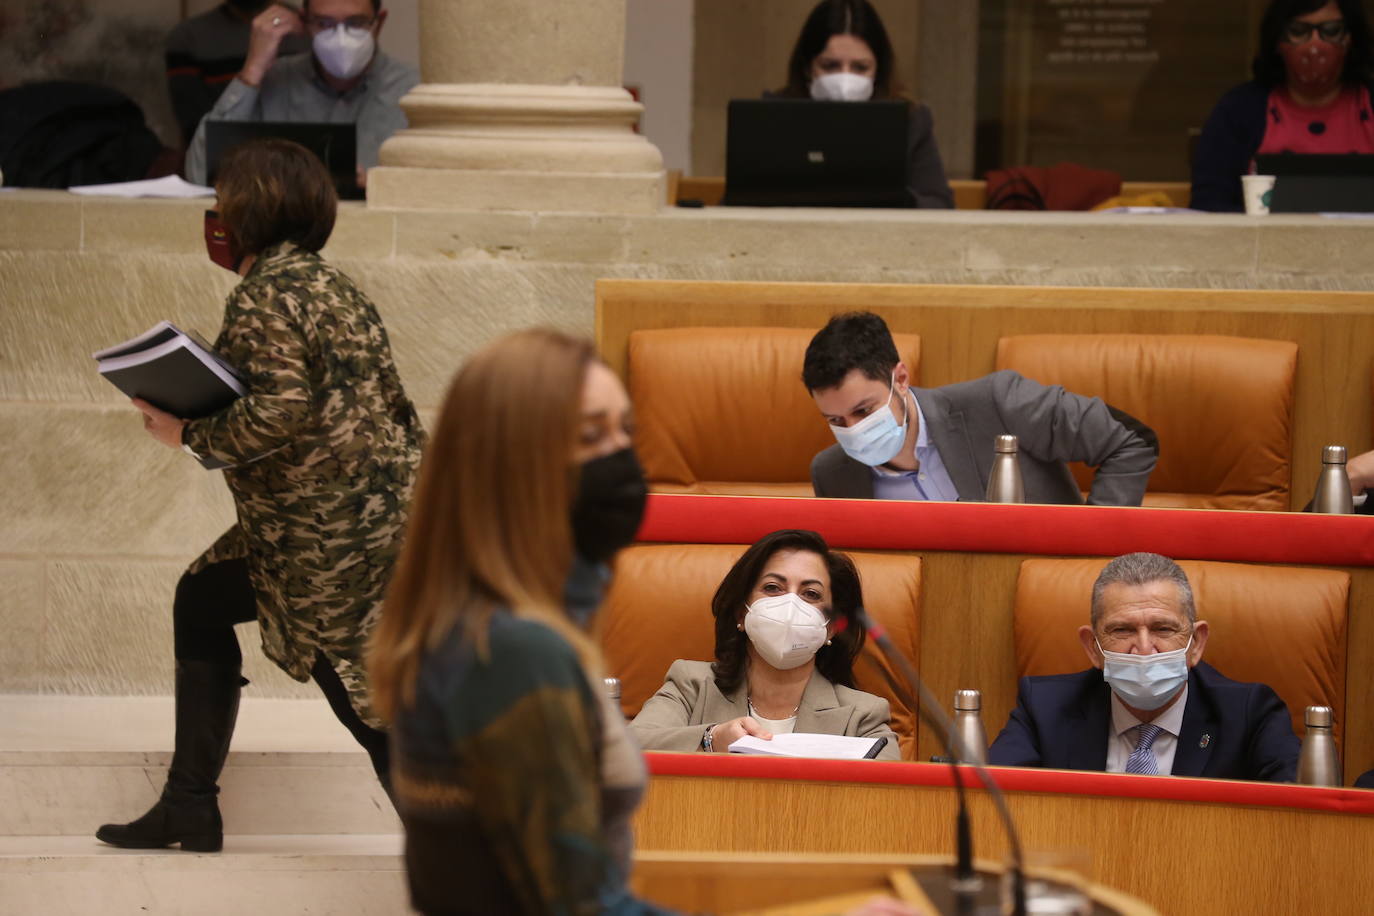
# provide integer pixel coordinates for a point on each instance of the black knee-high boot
(207, 704)
(374, 741)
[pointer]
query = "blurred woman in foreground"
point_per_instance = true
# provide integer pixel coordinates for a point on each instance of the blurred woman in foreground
(513, 771)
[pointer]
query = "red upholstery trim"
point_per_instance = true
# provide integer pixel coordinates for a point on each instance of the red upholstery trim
(1061, 782)
(1254, 537)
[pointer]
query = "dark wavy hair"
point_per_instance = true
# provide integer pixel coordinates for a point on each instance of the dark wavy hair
(854, 340)
(835, 662)
(840, 17)
(1359, 59)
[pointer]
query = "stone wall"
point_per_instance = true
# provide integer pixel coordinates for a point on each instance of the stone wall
(99, 520)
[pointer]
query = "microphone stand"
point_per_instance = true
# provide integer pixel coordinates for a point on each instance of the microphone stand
(933, 713)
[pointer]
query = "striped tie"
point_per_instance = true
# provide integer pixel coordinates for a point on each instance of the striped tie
(1142, 759)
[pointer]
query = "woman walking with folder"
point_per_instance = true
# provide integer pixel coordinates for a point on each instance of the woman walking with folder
(321, 454)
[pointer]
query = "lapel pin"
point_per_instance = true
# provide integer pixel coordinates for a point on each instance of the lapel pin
(1206, 740)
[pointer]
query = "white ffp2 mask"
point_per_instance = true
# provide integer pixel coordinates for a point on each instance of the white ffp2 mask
(842, 87)
(786, 630)
(344, 52)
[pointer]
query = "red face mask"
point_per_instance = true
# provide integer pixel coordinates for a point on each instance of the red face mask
(1314, 66)
(219, 244)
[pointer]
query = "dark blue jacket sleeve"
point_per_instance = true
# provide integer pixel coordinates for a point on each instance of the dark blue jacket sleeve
(1018, 745)
(1273, 749)
(1229, 140)
(925, 169)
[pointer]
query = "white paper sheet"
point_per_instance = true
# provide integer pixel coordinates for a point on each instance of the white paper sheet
(1147, 211)
(833, 747)
(170, 186)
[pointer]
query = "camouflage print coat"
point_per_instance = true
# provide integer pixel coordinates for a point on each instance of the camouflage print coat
(324, 449)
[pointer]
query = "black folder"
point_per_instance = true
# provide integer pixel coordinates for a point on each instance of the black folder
(174, 372)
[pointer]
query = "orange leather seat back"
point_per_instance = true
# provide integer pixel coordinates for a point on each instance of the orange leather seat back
(658, 609)
(1276, 625)
(723, 410)
(1221, 406)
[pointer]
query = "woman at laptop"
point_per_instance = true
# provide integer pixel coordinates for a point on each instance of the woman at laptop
(843, 55)
(787, 635)
(1310, 94)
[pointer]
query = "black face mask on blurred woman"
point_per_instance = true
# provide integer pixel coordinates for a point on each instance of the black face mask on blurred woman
(219, 243)
(611, 494)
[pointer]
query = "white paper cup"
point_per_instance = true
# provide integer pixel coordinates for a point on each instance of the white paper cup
(1258, 190)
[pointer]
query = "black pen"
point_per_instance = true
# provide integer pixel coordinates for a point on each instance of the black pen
(876, 749)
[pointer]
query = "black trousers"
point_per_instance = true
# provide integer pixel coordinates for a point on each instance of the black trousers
(211, 602)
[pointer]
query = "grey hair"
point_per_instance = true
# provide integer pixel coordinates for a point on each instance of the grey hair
(1142, 569)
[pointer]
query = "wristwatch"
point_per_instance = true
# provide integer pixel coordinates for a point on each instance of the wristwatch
(186, 448)
(706, 738)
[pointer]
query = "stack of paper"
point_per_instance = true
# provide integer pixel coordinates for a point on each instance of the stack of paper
(170, 186)
(173, 371)
(834, 747)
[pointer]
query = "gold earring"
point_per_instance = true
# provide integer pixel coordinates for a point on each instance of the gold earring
(739, 626)
(827, 642)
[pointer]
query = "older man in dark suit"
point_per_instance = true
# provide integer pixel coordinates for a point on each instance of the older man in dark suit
(1148, 704)
(896, 441)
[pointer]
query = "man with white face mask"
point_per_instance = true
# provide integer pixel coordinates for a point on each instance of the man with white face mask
(344, 78)
(1148, 704)
(896, 441)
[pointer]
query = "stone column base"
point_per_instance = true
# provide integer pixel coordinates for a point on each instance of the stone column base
(505, 147)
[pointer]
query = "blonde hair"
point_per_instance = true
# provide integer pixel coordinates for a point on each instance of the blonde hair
(490, 526)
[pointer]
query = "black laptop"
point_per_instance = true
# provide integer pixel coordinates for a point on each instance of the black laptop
(335, 144)
(801, 153)
(1319, 183)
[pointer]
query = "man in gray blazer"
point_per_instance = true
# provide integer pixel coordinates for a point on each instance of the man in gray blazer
(900, 442)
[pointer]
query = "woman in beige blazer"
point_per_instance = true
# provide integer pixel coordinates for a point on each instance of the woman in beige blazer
(787, 635)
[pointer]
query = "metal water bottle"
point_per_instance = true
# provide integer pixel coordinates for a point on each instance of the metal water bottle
(613, 688)
(1317, 764)
(968, 725)
(1004, 484)
(1333, 484)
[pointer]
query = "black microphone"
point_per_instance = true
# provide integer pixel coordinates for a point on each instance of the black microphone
(933, 713)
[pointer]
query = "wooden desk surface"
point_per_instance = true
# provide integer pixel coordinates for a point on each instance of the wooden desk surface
(1184, 846)
(823, 884)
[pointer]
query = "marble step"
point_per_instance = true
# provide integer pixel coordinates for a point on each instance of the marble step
(69, 764)
(360, 875)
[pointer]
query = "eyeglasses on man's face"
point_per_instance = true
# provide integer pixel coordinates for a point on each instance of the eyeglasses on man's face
(1298, 31)
(317, 24)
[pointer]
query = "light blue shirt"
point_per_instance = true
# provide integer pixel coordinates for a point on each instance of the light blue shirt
(929, 481)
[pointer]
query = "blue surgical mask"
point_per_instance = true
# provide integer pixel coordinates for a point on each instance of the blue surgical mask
(1145, 681)
(878, 437)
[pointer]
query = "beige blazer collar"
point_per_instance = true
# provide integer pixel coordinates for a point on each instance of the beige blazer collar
(820, 711)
